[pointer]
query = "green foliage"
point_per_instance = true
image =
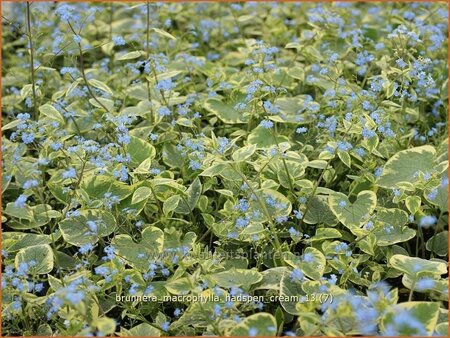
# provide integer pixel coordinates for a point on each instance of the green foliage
(218, 169)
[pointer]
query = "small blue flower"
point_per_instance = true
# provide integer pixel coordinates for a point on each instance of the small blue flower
(21, 201)
(369, 225)
(92, 226)
(425, 284)
(165, 326)
(27, 138)
(69, 173)
(242, 222)
(297, 275)
(164, 111)
(401, 63)
(308, 258)
(293, 232)
(270, 107)
(194, 165)
(427, 221)
(252, 332)
(85, 248)
(301, 130)
(432, 195)
(266, 124)
(118, 41)
(165, 85)
(30, 184)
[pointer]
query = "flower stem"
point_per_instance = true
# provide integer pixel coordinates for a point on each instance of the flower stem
(31, 50)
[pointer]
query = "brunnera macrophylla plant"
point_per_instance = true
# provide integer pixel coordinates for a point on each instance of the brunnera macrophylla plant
(224, 169)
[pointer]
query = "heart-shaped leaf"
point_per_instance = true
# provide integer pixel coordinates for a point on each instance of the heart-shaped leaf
(311, 263)
(403, 166)
(236, 277)
(417, 266)
(88, 227)
(259, 324)
(139, 255)
(353, 214)
(41, 255)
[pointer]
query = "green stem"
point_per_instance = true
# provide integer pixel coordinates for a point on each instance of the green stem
(83, 73)
(412, 289)
(31, 49)
(263, 208)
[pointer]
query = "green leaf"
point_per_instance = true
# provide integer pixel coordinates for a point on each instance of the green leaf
(13, 241)
(259, 324)
(413, 204)
(353, 214)
(272, 278)
(367, 244)
(426, 313)
(141, 194)
(297, 73)
(105, 325)
(289, 109)
(100, 85)
(296, 171)
(23, 213)
(282, 207)
(264, 138)
(389, 235)
(236, 277)
(164, 33)
(288, 291)
(75, 230)
(144, 167)
(107, 103)
(139, 254)
(141, 330)
(171, 204)
(319, 212)
(312, 263)
(441, 330)
(139, 150)
(417, 266)
(345, 158)
(97, 186)
(325, 233)
(180, 286)
(215, 169)
(130, 56)
(438, 243)
(52, 113)
(224, 111)
(441, 194)
(395, 217)
(244, 153)
(41, 255)
(188, 203)
(403, 166)
(172, 156)
(11, 125)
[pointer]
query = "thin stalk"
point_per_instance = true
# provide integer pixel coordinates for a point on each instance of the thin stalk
(316, 185)
(111, 14)
(291, 185)
(31, 49)
(436, 228)
(147, 52)
(83, 74)
(263, 207)
(412, 289)
(147, 33)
